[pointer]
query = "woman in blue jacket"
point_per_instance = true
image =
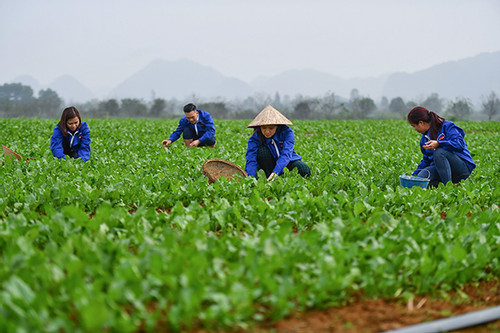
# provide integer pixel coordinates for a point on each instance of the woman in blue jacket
(446, 156)
(71, 136)
(271, 146)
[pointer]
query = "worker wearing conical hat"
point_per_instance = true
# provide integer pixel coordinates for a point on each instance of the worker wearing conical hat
(271, 146)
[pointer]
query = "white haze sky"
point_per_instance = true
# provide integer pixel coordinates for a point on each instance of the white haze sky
(103, 42)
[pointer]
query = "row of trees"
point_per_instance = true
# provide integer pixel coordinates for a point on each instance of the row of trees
(17, 100)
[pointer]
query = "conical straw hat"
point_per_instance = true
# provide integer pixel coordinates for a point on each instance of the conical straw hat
(215, 168)
(10, 153)
(269, 116)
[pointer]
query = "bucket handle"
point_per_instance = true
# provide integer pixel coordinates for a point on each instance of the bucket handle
(428, 173)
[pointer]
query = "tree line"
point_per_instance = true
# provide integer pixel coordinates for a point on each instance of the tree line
(18, 100)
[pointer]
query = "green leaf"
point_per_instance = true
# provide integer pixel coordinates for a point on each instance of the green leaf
(94, 314)
(359, 207)
(458, 252)
(19, 290)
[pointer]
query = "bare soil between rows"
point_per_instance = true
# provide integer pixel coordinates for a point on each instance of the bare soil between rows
(379, 315)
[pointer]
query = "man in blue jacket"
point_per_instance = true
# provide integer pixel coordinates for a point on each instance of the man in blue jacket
(197, 128)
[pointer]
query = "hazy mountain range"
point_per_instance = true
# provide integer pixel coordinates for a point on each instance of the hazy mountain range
(471, 77)
(66, 86)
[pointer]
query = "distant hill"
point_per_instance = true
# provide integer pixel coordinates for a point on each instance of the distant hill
(28, 80)
(66, 86)
(71, 90)
(307, 82)
(472, 78)
(310, 82)
(168, 79)
(178, 79)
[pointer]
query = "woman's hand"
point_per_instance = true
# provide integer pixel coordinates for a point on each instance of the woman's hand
(272, 176)
(431, 145)
(166, 143)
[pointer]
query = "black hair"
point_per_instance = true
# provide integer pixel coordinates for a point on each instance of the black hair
(69, 113)
(189, 107)
(419, 113)
(261, 136)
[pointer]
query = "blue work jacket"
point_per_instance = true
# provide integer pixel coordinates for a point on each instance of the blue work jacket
(204, 127)
(79, 141)
(281, 145)
(451, 138)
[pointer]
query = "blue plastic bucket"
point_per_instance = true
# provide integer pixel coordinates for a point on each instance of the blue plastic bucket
(410, 181)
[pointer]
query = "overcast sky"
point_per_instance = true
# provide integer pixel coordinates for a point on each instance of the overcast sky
(103, 42)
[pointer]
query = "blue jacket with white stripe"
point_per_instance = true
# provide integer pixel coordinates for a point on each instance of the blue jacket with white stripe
(281, 145)
(204, 127)
(79, 142)
(451, 138)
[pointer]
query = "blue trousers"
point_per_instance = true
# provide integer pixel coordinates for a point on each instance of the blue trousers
(188, 133)
(447, 167)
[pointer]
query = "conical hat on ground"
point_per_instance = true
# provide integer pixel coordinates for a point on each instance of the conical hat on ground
(269, 116)
(10, 153)
(215, 168)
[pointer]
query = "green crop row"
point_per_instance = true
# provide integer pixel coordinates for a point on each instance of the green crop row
(136, 238)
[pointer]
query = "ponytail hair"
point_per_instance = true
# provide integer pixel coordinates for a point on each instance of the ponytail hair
(419, 113)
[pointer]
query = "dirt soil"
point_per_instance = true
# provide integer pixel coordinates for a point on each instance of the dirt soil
(379, 315)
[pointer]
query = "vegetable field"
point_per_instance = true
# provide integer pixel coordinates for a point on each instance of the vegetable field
(136, 238)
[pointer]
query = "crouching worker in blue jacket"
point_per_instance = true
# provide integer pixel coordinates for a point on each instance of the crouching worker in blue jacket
(446, 156)
(71, 136)
(271, 146)
(197, 128)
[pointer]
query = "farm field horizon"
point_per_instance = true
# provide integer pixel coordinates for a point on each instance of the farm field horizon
(136, 239)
